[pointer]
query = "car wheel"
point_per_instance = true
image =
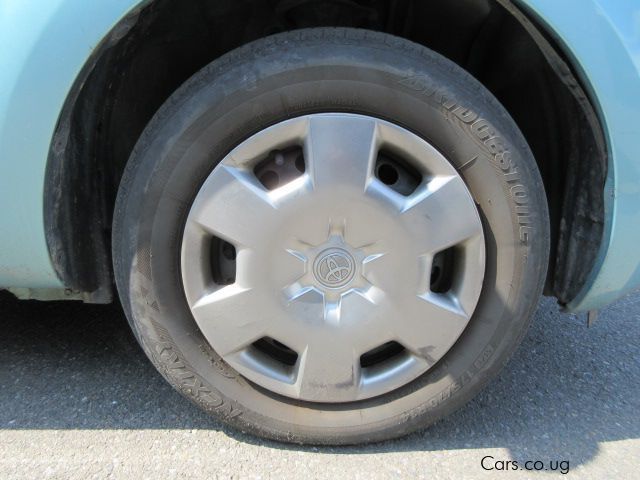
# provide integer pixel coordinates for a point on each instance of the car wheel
(330, 236)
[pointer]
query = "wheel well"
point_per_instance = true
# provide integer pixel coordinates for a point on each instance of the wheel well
(151, 52)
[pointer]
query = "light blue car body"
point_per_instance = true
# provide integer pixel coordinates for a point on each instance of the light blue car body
(44, 44)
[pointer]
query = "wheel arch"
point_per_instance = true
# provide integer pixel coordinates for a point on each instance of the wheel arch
(113, 99)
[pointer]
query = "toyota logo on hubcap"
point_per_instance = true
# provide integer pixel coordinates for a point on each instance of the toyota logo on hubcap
(334, 268)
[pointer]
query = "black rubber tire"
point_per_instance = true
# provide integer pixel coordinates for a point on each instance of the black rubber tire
(328, 70)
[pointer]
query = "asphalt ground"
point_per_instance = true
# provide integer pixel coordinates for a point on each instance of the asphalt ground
(78, 399)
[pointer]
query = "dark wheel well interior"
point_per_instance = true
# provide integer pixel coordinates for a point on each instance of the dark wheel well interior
(151, 52)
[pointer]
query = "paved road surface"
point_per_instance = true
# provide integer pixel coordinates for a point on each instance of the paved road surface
(79, 400)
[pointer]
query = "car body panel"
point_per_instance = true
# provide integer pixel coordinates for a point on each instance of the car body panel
(602, 38)
(44, 45)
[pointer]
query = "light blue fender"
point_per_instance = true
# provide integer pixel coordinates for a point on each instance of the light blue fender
(43, 46)
(602, 37)
(45, 43)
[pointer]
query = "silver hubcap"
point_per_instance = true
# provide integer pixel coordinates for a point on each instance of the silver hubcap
(347, 278)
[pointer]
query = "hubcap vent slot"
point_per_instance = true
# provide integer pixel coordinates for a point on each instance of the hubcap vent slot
(280, 167)
(397, 173)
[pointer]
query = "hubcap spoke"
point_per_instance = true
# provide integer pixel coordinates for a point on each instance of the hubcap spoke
(228, 315)
(430, 324)
(234, 206)
(329, 371)
(340, 151)
(439, 214)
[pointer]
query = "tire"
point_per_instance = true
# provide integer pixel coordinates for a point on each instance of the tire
(284, 77)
